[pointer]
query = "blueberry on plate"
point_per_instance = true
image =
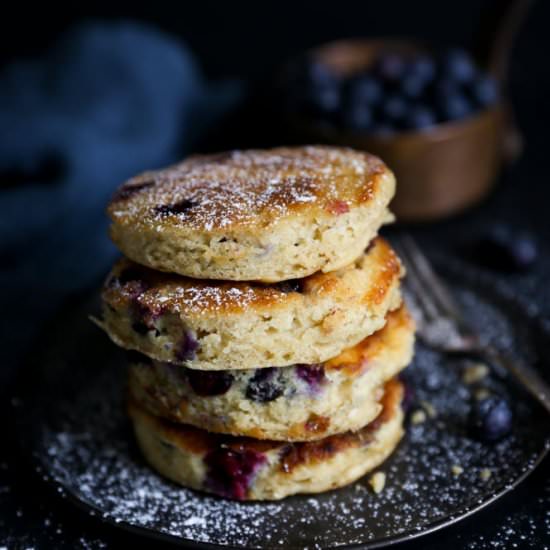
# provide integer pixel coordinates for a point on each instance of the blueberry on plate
(506, 248)
(484, 91)
(458, 66)
(491, 418)
(420, 118)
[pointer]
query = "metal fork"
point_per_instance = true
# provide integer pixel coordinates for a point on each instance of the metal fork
(442, 326)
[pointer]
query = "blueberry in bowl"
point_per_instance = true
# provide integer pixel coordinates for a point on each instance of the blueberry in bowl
(390, 90)
(437, 118)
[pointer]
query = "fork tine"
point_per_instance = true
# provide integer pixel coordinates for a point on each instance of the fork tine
(420, 293)
(437, 288)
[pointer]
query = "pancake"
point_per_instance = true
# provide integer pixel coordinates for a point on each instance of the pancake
(268, 215)
(249, 469)
(213, 325)
(295, 403)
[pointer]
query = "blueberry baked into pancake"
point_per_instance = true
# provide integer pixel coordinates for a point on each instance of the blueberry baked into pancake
(222, 325)
(295, 403)
(263, 319)
(251, 469)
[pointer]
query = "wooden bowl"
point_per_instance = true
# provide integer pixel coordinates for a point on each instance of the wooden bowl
(440, 171)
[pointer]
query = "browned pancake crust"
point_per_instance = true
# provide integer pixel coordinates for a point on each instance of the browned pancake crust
(255, 187)
(164, 292)
(292, 454)
(353, 361)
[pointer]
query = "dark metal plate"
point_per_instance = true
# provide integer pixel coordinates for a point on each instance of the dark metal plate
(72, 422)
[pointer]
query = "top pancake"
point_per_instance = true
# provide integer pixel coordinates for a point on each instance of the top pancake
(254, 215)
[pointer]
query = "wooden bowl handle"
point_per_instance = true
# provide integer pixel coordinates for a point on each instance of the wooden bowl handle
(497, 32)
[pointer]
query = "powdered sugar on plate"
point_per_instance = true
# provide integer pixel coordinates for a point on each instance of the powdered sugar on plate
(78, 431)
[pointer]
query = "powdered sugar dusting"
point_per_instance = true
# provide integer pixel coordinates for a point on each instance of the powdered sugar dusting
(198, 298)
(247, 187)
(89, 449)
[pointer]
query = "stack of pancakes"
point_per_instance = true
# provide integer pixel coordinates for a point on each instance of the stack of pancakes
(263, 317)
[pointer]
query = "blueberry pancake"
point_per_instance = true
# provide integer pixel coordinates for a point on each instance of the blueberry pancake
(267, 216)
(249, 469)
(296, 403)
(215, 325)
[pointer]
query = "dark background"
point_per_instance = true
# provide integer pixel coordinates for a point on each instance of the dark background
(249, 41)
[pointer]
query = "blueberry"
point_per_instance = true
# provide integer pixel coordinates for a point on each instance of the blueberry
(208, 383)
(490, 418)
(313, 88)
(320, 90)
(413, 86)
(326, 99)
(455, 107)
(143, 316)
(264, 386)
(363, 89)
(484, 91)
(180, 207)
(186, 350)
(394, 108)
(292, 285)
(132, 281)
(322, 101)
(419, 118)
(458, 66)
(422, 67)
(230, 472)
(506, 248)
(358, 117)
(390, 67)
(320, 74)
(312, 375)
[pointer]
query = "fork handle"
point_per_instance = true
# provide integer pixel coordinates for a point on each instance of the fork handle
(529, 378)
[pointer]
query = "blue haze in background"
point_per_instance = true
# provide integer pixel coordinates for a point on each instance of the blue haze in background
(106, 102)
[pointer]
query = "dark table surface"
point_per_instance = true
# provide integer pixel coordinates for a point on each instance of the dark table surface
(33, 516)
